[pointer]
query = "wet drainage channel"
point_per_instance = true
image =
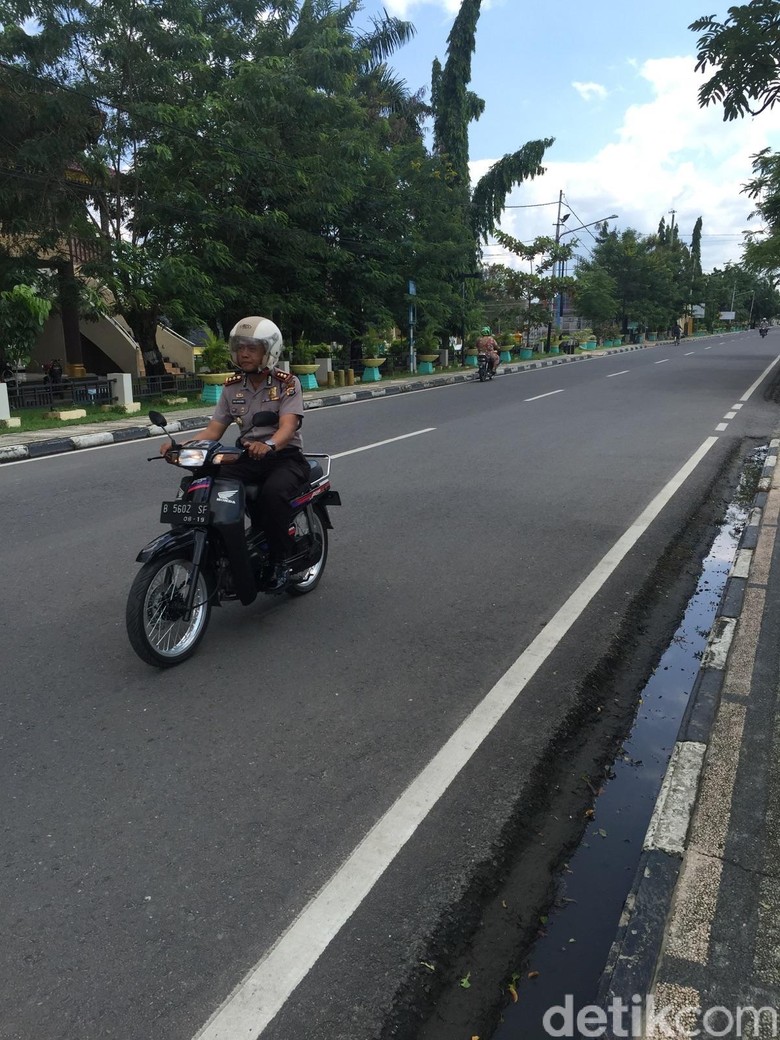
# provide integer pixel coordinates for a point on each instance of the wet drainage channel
(566, 961)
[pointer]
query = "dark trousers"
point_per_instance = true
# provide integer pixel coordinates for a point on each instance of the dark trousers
(281, 476)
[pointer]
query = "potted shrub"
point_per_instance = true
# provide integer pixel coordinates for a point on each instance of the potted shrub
(427, 351)
(302, 363)
(505, 343)
(374, 355)
(215, 367)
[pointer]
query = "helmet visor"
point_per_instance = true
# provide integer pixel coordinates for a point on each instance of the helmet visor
(246, 350)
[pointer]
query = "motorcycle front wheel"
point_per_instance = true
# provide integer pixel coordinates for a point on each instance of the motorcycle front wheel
(309, 579)
(156, 627)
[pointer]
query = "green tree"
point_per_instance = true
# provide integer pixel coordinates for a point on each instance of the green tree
(744, 51)
(595, 295)
(454, 107)
(648, 285)
(22, 316)
(538, 286)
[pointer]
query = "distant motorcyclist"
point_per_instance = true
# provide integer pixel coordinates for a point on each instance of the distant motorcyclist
(486, 344)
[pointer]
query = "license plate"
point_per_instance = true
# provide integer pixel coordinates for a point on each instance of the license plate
(183, 512)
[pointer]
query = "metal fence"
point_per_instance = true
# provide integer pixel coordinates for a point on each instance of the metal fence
(165, 386)
(69, 393)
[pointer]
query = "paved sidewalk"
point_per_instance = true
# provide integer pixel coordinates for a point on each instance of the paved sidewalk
(700, 933)
(16, 446)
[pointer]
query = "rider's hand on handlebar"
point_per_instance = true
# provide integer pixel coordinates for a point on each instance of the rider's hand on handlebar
(167, 445)
(256, 449)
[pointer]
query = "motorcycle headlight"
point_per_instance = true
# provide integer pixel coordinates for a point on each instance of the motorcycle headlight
(192, 457)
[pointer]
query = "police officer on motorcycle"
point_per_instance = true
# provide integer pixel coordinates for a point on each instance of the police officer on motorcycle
(275, 459)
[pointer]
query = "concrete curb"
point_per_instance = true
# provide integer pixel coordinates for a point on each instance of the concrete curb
(62, 445)
(637, 945)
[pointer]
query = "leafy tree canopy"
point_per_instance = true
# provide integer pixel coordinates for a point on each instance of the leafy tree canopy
(744, 51)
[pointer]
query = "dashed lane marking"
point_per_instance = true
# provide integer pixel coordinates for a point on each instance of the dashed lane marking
(540, 396)
(613, 374)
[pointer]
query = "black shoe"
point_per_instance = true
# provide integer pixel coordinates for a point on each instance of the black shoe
(278, 576)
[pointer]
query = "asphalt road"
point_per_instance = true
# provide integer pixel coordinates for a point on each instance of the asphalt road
(161, 831)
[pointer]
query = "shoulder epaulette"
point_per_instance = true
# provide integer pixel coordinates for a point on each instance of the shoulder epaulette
(233, 379)
(283, 377)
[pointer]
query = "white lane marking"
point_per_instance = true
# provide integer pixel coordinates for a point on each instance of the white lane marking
(712, 345)
(730, 415)
(258, 998)
(722, 426)
(736, 407)
(749, 392)
(662, 361)
(690, 353)
(381, 444)
(156, 437)
(623, 373)
(540, 396)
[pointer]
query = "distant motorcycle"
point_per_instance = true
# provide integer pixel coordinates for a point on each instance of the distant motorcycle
(484, 367)
(762, 331)
(211, 554)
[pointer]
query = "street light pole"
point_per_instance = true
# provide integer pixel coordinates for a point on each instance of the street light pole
(558, 236)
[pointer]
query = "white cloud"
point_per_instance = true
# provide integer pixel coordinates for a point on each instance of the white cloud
(667, 154)
(588, 91)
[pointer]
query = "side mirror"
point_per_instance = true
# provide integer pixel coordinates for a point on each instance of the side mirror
(265, 419)
(158, 419)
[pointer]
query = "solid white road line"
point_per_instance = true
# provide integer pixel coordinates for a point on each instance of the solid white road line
(156, 437)
(749, 392)
(255, 1002)
(540, 396)
(381, 444)
(623, 373)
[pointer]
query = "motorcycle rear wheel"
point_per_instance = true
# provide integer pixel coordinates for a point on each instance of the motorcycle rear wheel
(309, 579)
(155, 626)
(482, 373)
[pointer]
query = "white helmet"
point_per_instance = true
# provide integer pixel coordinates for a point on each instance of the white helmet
(259, 332)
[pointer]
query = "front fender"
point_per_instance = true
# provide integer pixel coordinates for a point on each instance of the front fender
(181, 540)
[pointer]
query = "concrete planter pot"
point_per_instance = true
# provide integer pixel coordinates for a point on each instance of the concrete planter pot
(212, 385)
(371, 368)
(425, 366)
(306, 374)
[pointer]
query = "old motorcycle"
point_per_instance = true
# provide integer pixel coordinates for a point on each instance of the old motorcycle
(211, 554)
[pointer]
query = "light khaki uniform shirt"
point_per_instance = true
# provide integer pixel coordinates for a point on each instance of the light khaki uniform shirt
(280, 392)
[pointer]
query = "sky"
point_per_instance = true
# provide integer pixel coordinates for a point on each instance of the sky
(614, 82)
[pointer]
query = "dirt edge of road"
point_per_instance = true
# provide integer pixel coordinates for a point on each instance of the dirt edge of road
(489, 932)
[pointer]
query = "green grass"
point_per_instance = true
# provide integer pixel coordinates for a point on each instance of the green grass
(35, 418)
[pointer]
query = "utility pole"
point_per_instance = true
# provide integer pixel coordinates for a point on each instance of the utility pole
(552, 299)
